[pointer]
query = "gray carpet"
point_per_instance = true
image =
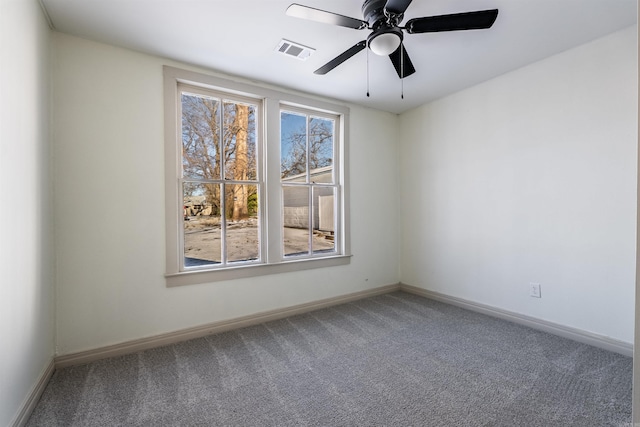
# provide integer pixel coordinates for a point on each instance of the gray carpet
(394, 360)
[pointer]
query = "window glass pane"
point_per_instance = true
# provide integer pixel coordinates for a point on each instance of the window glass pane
(239, 141)
(243, 241)
(202, 224)
(321, 149)
(200, 137)
(293, 146)
(324, 199)
(296, 233)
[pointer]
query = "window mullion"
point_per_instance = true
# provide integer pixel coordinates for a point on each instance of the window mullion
(306, 143)
(273, 233)
(223, 223)
(223, 190)
(311, 217)
(310, 187)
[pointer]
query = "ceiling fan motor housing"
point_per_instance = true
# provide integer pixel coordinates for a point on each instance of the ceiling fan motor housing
(374, 14)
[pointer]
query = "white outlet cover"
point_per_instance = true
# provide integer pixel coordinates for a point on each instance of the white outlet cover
(534, 290)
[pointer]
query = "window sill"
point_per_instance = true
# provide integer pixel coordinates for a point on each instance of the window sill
(229, 273)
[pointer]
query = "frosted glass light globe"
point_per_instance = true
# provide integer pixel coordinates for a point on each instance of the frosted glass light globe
(384, 44)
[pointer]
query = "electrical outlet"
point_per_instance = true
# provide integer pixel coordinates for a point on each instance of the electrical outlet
(534, 290)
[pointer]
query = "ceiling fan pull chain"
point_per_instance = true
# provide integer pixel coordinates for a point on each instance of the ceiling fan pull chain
(367, 73)
(402, 70)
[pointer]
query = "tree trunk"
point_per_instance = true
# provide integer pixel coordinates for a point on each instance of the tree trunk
(240, 196)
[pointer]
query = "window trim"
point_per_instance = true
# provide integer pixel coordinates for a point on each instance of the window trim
(273, 261)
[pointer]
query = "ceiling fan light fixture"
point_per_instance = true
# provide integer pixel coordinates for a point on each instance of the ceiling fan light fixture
(384, 44)
(383, 17)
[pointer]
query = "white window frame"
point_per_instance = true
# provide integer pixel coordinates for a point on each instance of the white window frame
(310, 185)
(270, 197)
(223, 181)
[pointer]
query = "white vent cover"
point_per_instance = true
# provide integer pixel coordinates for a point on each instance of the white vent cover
(293, 49)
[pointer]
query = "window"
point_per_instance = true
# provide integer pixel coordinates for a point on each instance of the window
(219, 180)
(309, 189)
(255, 180)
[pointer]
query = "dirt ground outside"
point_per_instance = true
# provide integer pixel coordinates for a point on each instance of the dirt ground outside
(202, 241)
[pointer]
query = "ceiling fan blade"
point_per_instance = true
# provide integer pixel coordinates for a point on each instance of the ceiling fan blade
(341, 58)
(397, 6)
(458, 21)
(402, 62)
(310, 13)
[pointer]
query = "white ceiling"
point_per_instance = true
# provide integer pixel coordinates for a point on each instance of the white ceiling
(238, 37)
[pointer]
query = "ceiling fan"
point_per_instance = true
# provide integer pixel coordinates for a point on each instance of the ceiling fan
(383, 17)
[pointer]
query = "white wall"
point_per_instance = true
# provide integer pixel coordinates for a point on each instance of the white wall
(636, 346)
(109, 205)
(26, 234)
(530, 177)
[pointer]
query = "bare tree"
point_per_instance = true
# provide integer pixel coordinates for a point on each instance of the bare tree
(201, 145)
(320, 150)
(240, 170)
(213, 132)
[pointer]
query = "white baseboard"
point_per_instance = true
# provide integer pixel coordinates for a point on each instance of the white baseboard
(34, 396)
(579, 335)
(212, 328)
(255, 319)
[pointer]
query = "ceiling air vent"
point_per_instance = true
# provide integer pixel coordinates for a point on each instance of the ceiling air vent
(293, 49)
